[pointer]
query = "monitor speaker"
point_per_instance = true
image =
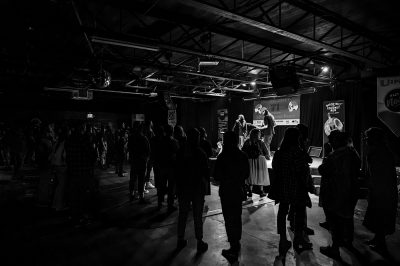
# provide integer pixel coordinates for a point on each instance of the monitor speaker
(284, 80)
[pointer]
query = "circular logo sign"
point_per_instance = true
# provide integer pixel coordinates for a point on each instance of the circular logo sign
(392, 100)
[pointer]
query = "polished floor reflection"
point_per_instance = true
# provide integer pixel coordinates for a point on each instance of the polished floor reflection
(127, 233)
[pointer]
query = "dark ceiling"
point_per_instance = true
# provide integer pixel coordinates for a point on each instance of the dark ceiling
(161, 45)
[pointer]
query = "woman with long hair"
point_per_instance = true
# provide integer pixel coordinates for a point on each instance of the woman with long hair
(289, 188)
(256, 151)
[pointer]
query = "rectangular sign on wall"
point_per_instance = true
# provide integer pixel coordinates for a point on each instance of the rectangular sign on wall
(333, 117)
(286, 111)
(388, 103)
(222, 115)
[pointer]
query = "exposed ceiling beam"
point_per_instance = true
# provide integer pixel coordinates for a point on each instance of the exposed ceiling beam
(220, 77)
(156, 46)
(278, 31)
(333, 17)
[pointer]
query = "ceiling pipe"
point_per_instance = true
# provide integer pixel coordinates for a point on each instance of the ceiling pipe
(221, 77)
(158, 46)
(279, 31)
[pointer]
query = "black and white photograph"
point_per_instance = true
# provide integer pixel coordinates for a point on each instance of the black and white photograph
(199, 132)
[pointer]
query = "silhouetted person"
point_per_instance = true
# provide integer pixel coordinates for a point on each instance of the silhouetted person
(289, 188)
(120, 152)
(168, 166)
(156, 144)
(303, 141)
(340, 169)
(80, 159)
(380, 217)
(231, 170)
(324, 181)
(149, 133)
(192, 176)
(139, 151)
(204, 143)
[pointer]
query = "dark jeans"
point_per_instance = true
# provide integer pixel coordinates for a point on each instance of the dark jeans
(232, 212)
(166, 185)
(342, 229)
(197, 201)
(138, 171)
(298, 218)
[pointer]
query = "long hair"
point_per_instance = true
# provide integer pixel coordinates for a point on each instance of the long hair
(254, 135)
(290, 139)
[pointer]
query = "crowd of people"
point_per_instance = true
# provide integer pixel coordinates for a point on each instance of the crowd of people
(67, 155)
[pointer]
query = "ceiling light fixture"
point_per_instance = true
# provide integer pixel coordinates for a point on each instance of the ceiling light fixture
(253, 83)
(101, 40)
(208, 63)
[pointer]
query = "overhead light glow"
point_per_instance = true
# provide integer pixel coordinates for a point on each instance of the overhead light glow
(325, 69)
(208, 63)
(244, 84)
(253, 83)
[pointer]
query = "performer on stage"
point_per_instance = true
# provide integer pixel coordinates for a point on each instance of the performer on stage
(242, 128)
(268, 130)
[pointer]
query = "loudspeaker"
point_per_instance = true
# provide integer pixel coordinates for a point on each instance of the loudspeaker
(284, 80)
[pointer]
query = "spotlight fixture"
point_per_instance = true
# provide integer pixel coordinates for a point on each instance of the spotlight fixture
(244, 84)
(325, 69)
(253, 83)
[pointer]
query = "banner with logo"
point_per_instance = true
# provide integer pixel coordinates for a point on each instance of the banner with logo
(333, 118)
(222, 115)
(286, 111)
(388, 103)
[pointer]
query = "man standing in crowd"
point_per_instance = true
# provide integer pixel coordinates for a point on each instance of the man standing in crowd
(167, 183)
(193, 175)
(80, 159)
(231, 170)
(139, 153)
(340, 169)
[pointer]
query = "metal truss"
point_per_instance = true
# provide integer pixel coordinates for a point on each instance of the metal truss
(364, 46)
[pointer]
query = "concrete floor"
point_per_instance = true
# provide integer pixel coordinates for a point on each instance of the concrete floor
(131, 234)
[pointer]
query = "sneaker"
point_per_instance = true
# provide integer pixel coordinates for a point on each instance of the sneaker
(149, 185)
(330, 252)
(181, 243)
(299, 247)
(201, 246)
(146, 191)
